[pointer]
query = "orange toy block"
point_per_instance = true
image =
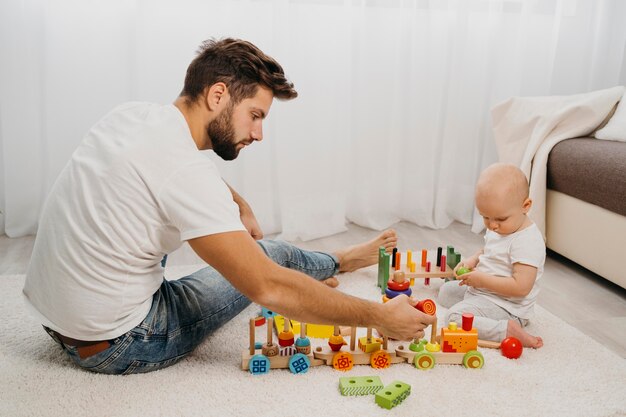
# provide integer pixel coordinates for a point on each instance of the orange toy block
(458, 340)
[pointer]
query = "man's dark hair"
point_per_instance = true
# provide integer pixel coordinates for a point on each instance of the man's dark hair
(241, 66)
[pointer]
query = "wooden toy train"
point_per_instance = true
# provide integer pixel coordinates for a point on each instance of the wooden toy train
(454, 346)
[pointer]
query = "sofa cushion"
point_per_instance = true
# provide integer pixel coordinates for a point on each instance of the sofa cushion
(591, 170)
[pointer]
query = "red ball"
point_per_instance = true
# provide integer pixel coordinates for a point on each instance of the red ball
(511, 348)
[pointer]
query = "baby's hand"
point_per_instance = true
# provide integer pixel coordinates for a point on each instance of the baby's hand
(461, 269)
(470, 278)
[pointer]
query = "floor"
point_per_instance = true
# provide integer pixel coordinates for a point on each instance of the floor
(586, 301)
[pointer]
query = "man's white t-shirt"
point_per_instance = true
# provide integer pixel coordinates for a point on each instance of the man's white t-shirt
(500, 253)
(135, 189)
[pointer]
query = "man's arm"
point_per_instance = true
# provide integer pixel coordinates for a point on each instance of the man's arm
(246, 214)
(295, 295)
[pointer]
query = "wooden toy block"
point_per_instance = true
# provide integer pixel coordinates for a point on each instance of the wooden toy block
(393, 394)
(439, 256)
(267, 313)
(321, 331)
(452, 257)
(398, 263)
(393, 257)
(458, 340)
(360, 385)
(383, 268)
(424, 257)
(409, 256)
(369, 344)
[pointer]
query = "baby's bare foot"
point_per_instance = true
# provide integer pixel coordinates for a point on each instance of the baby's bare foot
(515, 330)
(332, 282)
(366, 254)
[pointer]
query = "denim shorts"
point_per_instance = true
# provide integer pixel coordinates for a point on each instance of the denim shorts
(185, 311)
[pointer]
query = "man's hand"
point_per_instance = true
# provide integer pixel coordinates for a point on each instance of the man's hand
(246, 215)
(402, 320)
(249, 221)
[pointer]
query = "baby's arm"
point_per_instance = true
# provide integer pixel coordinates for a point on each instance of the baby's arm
(470, 262)
(518, 285)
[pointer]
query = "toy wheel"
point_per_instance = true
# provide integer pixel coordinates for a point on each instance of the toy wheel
(299, 363)
(342, 361)
(424, 361)
(259, 365)
(380, 360)
(473, 360)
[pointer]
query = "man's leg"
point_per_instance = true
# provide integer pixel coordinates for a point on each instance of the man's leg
(185, 311)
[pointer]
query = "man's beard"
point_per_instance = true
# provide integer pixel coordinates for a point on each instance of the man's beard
(222, 135)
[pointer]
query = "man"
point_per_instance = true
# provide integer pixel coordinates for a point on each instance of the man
(138, 187)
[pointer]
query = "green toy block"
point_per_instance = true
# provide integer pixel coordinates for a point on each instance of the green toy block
(393, 394)
(383, 269)
(360, 385)
(452, 257)
(381, 252)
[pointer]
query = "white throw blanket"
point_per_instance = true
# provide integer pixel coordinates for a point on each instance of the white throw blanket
(526, 128)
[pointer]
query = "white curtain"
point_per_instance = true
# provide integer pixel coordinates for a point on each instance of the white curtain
(392, 122)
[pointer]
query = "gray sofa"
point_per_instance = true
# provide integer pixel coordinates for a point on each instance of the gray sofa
(586, 205)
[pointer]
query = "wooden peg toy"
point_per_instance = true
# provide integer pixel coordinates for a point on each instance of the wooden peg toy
(303, 344)
(286, 337)
(336, 341)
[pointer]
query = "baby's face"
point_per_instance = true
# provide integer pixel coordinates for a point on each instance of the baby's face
(503, 215)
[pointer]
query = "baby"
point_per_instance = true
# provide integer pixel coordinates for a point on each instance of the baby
(501, 288)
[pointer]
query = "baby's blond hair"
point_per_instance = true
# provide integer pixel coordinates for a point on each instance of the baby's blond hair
(503, 180)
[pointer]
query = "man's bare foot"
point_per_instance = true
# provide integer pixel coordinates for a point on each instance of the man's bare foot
(515, 330)
(332, 282)
(366, 254)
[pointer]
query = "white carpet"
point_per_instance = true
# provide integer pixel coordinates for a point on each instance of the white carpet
(572, 375)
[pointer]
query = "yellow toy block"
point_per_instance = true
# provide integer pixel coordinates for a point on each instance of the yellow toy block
(368, 346)
(321, 331)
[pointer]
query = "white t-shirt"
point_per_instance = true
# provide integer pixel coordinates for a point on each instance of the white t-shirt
(135, 189)
(500, 253)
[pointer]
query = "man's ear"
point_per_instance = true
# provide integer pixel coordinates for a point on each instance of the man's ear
(216, 96)
(528, 203)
